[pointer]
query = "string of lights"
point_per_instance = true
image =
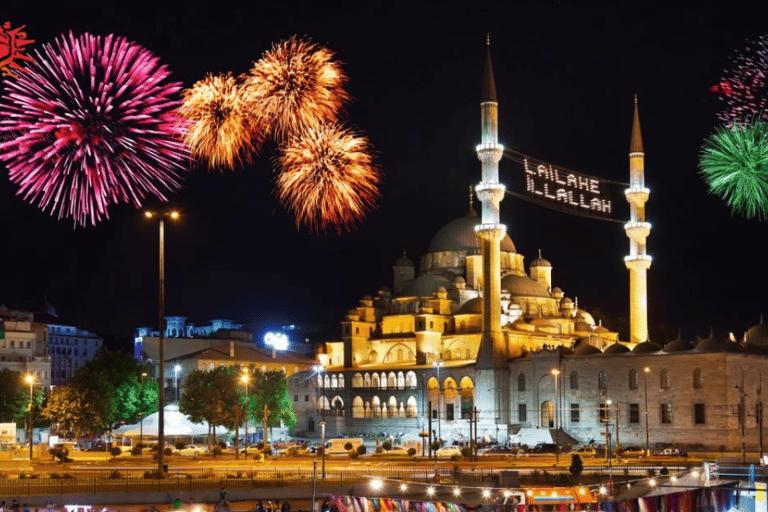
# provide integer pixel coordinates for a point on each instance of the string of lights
(561, 209)
(517, 156)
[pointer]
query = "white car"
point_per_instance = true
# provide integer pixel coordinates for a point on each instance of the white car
(448, 452)
(192, 450)
(397, 450)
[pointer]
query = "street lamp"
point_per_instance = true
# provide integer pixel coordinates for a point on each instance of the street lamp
(141, 411)
(244, 379)
(173, 215)
(437, 365)
(556, 374)
(646, 371)
(176, 370)
(322, 436)
(31, 381)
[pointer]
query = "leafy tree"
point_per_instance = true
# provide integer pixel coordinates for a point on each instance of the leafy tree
(577, 466)
(271, 389)
(79, 406)
(14, 397)
(212, 396)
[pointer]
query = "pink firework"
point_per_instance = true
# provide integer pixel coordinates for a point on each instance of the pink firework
(744, 89)
(92, 122)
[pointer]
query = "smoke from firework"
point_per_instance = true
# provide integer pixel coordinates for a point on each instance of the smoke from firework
(743, 88)
(295, 85)
(91, 123)
(223, 132)
(327, 178)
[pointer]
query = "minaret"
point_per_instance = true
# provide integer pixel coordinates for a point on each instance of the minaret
(637, 230)
(493, 350)
(492, 391)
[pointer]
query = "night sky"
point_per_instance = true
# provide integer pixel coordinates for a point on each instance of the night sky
(565, 78)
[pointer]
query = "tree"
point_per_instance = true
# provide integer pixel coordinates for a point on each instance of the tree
(271, 389)
(80, 407)
(212, 396)
(14, 397)
(577, 466)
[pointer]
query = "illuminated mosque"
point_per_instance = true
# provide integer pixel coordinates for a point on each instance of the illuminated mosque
(471, 329)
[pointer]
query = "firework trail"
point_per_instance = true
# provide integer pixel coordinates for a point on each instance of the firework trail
(223, 132)
(295, 85)
(734, 163)
(743, 88)
(328, 178)
(92, 122)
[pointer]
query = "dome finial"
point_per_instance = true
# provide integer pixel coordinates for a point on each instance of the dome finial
(636, 140)
(539, 253)
(404, 253)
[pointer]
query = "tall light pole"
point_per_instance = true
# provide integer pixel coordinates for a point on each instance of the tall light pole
(176, 370)
(31, 381)
(322, 436)
(244, 379)
(646, 371)
(437, 365)
(141, 411)
(161, 324)
(556, 373)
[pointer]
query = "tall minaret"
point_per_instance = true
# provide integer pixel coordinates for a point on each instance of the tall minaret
(492, 391)
(637, 230)
(493, 350)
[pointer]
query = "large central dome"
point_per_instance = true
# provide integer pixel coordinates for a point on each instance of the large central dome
(459, 235)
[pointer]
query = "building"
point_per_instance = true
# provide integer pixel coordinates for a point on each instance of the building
(472, 329)
(24, 345)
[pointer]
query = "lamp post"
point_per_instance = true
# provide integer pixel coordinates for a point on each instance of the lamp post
(556, 374)
(437, 365)
(176, 370)
(244, 379)
(646, 371)
(322, 436)
(161, 325)
(141, 411)
(31, 381)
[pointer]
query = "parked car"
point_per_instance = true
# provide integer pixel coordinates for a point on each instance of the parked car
(497, 450)
(544, 449)
(448, 452)
(192, 450)
(633, 451)
(672, 452)
(396, 450)
(585, 452)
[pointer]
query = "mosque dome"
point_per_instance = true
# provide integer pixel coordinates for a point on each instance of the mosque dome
(714, 344)
(459, 235)
(471, 307)
(617, 348)
(544, 322)
(585, 349)
(540, 262)
(646, 347)
(583, 315)
(757, 335)
(425, 286)
(582, 326)
(367, 297)
(523, 286)
(404, 261)
(565, 301)
(678, 345)
(557, 289)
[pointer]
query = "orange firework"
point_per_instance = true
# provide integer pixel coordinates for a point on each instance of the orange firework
(328, 178)
(295, 85)
(222, 130)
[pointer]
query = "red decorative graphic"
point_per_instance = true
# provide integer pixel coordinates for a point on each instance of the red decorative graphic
(12, 43)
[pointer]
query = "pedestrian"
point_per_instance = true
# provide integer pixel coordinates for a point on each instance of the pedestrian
(269, 506)
(260, 507)
(286, 507)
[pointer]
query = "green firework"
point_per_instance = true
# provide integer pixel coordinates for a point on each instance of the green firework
(734, 163)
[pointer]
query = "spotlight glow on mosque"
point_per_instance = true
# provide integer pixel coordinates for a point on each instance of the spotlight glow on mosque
(276, 340)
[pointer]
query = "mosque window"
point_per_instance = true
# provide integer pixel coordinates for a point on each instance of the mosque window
(634, 413)
(357, 330)
(666, 413)
(574, 413)
(602, 380)
(521, 382)
(574, 380)
(698, 379)
(633, 379)
(399, 354)
(522, 413)
(699, 417)
(469, 354)
(431, 324)
(664, 379)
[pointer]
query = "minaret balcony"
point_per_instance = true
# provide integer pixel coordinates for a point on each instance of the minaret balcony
(490, 192)
(489, 151)
(637, 195)
(491, 231)
(638, 261)
(637, 231)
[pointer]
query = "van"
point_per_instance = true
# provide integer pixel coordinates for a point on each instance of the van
(337, 446)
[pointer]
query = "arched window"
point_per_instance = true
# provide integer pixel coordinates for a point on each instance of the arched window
(400, 380)
(547, 414)
(698, 379)
(358, 410)
(399, 354)
(375, 407)
(411, 380)
(375, 382)
(334, 382)
(633, 379)
(383, 380)
(521, 382)
(410, 408)
(341, 381)
(373, 357)
(602, 380)
(574, 380)
(327, 381)
(367, 380)
(664, 379)
(392, 380)
(357, 380)
(392, 407)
